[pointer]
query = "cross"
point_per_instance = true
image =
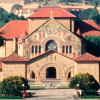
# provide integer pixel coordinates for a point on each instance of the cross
(51, 13)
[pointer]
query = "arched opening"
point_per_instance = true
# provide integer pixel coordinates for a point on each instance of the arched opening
(39, 49)
(67, 49)
(51, 45)
(51, 72)
(63, 49)
(69, 75)
(32, 49)
(70, 49)
(36, 49)
(33, 75)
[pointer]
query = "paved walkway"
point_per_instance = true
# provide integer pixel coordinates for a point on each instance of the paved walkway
(61, 94)
(52, 93)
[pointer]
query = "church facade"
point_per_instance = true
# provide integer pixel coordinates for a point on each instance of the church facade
(49, 45)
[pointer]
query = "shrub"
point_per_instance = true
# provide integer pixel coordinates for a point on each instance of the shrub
(12, 85)
(85, 80)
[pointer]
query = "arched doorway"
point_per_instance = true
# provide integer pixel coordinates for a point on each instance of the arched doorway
(51, 45)
(51, 72)
(69, 75)
(33, 75)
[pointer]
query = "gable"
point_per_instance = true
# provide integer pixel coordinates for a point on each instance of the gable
(50, 56)
(51, 28)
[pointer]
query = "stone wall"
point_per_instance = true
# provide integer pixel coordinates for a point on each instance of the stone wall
(90, 67)
(35, 23)
(14, 68)
(20, 49)
(9, 47)
(62, 64)
(2, 51)
(68, 23)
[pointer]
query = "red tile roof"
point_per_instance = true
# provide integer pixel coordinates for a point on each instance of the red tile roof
(14, 29)
(57, 12)
(87, 57)
(14, 58)
(87, 27)
(24, 34)
(51, 51)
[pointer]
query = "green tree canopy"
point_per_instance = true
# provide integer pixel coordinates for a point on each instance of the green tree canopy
(84, 15)
(13, 85)
(90, 14)
(93, 44)
(16, 7)
(85, 80)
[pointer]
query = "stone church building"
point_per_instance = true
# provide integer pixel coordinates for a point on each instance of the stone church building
(50, 44)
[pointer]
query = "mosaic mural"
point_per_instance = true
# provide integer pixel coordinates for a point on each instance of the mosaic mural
(46, 31)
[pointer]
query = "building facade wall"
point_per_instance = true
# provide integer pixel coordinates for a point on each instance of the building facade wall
(20, 49)
(90, 67)
(2, 51)
(68, 23)
(35, 23)
(14, 68)
(9, 47)
(62, 64)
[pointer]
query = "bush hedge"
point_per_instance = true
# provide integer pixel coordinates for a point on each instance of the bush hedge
(11, 97)
(85, 80)
(12, 85)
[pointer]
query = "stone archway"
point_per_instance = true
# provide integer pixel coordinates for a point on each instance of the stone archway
(32, 75)
(59, 71)
(70, 72)
(51, 72)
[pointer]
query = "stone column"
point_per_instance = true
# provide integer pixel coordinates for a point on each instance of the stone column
(38, 80)
(64, 80)
(44, 75)
(42, 49)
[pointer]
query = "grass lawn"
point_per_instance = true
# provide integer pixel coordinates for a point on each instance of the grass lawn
(91, 97)
(36, 86)
(63, 86)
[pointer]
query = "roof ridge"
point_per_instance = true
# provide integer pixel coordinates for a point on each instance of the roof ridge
(88, 54)
(93, 55)
(69, 12)
(16, 55)
(49, 51)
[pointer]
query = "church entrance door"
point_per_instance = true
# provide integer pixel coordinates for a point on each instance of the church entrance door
(51, 72)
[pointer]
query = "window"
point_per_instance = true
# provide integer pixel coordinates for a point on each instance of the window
(36, 49)
(39, 49)
(63, 49)
(67, 49)
(51, 45)
(70, 49)
(32, 49)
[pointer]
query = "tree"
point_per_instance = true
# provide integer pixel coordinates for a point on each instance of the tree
(5, 17)
(16, 7)
(85, 80)
(45, 3)
(12, 85)
(26, 1)
(84, 15)
(93, 44)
